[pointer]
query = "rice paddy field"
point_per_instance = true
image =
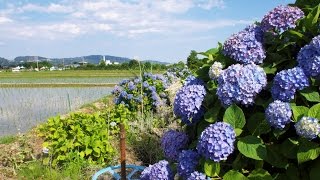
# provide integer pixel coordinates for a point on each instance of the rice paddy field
(28, 98)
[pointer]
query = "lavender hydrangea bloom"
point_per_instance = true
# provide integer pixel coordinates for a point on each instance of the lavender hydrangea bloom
(217, 141)
(246, 46)
(188, 103)
(159, 171)
(187, 163)
(309, 58)
(286, 82)
(215, 70)
(172, 142)
(131, 86)
(197, 176)
(192, 80)
(145, 174)
(281, 18)
(278, 114)
(241, 84)
(308, 127)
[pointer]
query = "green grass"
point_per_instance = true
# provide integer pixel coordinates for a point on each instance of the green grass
(71, 74)
(7, 139)
(36, 170)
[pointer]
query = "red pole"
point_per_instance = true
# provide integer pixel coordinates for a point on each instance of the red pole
(123, 151)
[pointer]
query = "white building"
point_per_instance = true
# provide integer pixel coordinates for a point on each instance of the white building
(107, 62)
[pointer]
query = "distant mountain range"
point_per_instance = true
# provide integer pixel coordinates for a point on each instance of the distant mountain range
(92, 59)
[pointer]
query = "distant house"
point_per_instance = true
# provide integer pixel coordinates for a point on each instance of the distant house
(116, 63)
(53, 68)
(17, 69)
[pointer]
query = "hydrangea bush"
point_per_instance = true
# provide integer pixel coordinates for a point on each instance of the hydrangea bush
(259, 113)
(148, 91)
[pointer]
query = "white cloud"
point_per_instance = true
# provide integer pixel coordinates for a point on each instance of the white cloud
(51, 8)
(2, 43)
(130, 18)
(4, 20)
(209, 4)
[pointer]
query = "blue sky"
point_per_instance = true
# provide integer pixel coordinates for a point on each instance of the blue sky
(165, 30)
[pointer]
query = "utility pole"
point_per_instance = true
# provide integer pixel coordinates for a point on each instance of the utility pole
(37, 62)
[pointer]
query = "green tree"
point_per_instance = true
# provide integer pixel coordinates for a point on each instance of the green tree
(193, 61)
(133, 64)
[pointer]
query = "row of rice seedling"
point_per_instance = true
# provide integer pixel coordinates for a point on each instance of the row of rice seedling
(23, 108)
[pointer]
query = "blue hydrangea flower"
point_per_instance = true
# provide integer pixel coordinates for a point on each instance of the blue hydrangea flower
(192, 80)
(123, 82)
(197, 176)
(246, 46)
(281, 18)
(241, 84)
(117, 90)
(215, 70)
(308, 127)
(145, 84)
(131, 86)
(188, 103)
(172, 143)
(278, 114)
(286, 82)
(309, 58)
(217, 141)
(187, 163)
(158, 171)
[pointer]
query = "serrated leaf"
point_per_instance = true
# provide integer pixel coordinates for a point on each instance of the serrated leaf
(212, 114)
(314, 172)
(275, 158)
(289, 148)
(238, 131)
(297, 34)
(314, 111)
(211, 168)
(234, 175)
(257, 124)
(311, 94)
(299, 112)
(88, 151)
(252, 147)
(234, 116)
(307, 151)
(312, 17)
(260, 174)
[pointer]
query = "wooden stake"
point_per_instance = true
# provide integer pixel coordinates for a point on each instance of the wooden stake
(123, 151)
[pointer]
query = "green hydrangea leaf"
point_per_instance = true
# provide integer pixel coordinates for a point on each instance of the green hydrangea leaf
(252, 147)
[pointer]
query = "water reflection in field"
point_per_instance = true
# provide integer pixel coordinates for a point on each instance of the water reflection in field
(23, 108)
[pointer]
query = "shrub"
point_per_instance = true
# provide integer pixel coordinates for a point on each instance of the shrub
(82, 136)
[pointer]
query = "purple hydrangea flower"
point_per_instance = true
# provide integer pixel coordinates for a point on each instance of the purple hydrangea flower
(145, 84)
(286, 82)
(278, 114)
(188, 103)
(117, 90)
(215, 70)
(308, 127)
(192, 80)
(159, 171)
(281, 18)
(217, 141)
(309, 58)
(172, 142)
(246, 46)
(187, 163)
(131, 86)
(241, 84)
(197, 176)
